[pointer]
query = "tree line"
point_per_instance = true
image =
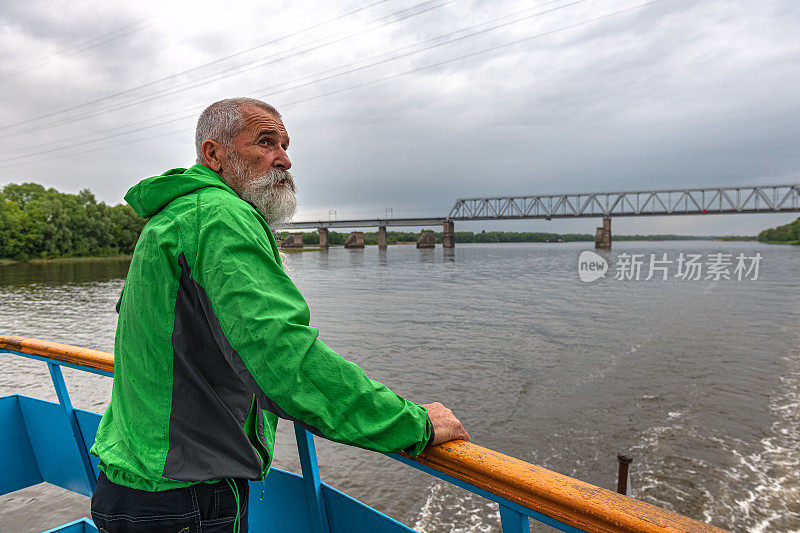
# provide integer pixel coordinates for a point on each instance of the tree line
(36, 222)
(788, 233)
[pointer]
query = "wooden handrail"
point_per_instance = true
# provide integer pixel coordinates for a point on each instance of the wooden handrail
(582, 505)
(566, 499)
(64, 353)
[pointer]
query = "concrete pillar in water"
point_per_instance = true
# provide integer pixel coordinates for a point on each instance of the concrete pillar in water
(355, 240)
(293, 240)
(382, 237)
(602, 239)
(449, 235)
(323, 238)
(427, 239)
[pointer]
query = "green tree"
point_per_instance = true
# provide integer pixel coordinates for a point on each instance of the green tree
(39, 222)
(788, 233)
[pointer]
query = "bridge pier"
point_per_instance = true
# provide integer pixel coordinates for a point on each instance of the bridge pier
(382, 237)
(293, 240)
(602, 238)
(355, 240)
(427, 239)
(448, 235)
(323, 238)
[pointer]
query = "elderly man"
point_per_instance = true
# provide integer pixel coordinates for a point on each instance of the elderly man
(213, 344)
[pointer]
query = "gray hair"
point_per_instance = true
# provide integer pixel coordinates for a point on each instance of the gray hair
(224, 120)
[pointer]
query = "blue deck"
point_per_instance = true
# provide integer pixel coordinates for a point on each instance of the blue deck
(49, 442)
(39, 446)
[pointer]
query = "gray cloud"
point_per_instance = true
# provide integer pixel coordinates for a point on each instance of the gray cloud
(673, 94)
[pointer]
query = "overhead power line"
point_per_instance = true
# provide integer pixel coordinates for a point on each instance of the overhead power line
(193, 69)
(180, 88)
(88, 44)
(474, 54)
(392, 18)
(393, 76)
(426, 48)
(432, 40)
(442, 40)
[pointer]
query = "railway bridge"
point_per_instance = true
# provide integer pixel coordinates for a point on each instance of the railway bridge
(604, 205)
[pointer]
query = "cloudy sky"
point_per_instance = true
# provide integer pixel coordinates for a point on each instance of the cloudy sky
(409, 105)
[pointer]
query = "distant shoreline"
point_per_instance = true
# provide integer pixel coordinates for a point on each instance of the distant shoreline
(311, 238)
(316, 248)
(67, 259)
(795, 243)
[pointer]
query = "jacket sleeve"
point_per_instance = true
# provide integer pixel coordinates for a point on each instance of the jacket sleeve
(266, 321)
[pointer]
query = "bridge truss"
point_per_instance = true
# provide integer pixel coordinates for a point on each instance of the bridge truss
(713, 200)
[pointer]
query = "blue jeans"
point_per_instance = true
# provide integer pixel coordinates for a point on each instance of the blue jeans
(206, 508)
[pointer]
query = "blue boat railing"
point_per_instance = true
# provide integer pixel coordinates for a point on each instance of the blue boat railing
(521, 490)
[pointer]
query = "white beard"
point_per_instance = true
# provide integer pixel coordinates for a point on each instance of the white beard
(276, 202)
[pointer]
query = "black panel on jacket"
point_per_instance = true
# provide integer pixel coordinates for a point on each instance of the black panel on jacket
(212, 393)
(209, 400)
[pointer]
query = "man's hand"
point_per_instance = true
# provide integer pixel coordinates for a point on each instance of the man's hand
(446, 426)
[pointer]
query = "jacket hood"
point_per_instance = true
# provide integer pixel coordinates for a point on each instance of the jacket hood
(150, 195)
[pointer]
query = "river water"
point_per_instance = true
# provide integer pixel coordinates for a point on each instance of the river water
(698, 380)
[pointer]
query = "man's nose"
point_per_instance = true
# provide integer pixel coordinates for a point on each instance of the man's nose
(282, 161)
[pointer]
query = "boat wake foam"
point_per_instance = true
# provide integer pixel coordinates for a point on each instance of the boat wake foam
(759, 490)
(448, 509)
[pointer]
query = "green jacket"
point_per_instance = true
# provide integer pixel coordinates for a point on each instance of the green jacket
(213, 344)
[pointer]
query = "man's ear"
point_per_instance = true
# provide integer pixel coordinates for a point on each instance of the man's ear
(214, 155)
